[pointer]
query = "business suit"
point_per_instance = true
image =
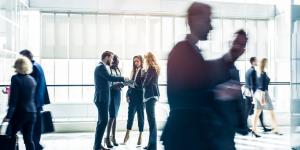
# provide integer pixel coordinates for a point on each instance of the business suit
(151, 94)
(136, 104)
(193, 122)
(102, 81)
(41, 98)
(251, 84)
(21, 108)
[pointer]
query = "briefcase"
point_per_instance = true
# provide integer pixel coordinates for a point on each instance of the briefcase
(8, 142)
(47, 123)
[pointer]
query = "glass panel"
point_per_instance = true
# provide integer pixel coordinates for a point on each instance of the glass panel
(61, 72)
(90, 36)
(48, 36)
(167, 36)
(61, 36)
(76, 36)
(252, 43)
(155, 36)
(180, 28)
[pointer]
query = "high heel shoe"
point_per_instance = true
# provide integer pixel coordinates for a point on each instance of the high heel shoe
(113, 140)
(107, 143)
(277, 133)
(255, 134)
(140, 139)
(103, 148)
(126, 138)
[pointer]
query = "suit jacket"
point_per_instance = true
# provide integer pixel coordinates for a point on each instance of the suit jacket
(21, 99)
(102, 81)
(150, 83)
(250, 79)
(41, 94)
(138, 84)
(191, 79)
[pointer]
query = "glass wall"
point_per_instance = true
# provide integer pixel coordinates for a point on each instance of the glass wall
(9, 42)
(72, 43)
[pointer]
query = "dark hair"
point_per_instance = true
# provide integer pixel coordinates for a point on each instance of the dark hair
(27, 54)
(252, 59)
(106, 54)
(197, 9)
(139, 57)
(115, 62)
(241, 32)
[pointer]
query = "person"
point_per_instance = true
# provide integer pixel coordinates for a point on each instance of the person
(102, 95)
(250, 88)
(21, 113)
(41, 97)
(151, 96)
(192, 122)
(115, 92)
(135, 99)
(263, 99)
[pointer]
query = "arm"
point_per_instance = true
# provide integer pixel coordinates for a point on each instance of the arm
(104, 73)
(13, 98)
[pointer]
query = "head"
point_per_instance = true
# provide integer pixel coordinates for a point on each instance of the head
(107, 58)
(151, 62)
(23, 65)
(199, 19)
(27, 54)
(137, 61)
(115, 63)
(253, 61)
(263, 64)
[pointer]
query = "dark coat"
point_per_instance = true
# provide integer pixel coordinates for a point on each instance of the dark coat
(150, 83)
(250, 79)
(102, 83)
(21, 98)
(41, 94)
(263, 82)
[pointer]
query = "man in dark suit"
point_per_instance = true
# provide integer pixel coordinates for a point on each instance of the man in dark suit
(102, 95)
(41, 96)
(193, 122)
(250, 88)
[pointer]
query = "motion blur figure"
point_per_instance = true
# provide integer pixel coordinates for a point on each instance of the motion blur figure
(41, 96)
(21, 113)
(193, 122)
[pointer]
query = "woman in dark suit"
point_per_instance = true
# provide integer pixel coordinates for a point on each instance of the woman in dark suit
(151, 95)
(115, 96)
(21, 113)
(135, 98)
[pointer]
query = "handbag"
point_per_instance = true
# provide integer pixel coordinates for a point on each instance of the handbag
(47, 123)
(8, 142)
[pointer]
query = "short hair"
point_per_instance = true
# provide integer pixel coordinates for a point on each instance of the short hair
(252, 59)
(23, 65)
(106, 54)
(27, 54)
(197, 9)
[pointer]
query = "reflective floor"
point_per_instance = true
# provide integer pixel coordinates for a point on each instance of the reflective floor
(84, 141)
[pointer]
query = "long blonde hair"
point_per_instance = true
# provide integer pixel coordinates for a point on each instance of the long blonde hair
(23, 65)
(151, 62)
(263, 64)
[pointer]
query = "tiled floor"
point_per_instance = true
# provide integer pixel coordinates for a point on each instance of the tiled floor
(84, 141)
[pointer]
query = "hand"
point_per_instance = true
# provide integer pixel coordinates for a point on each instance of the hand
(239, 44)
(127, 99)
(126, 79)
(263, 101)
(6, 120)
